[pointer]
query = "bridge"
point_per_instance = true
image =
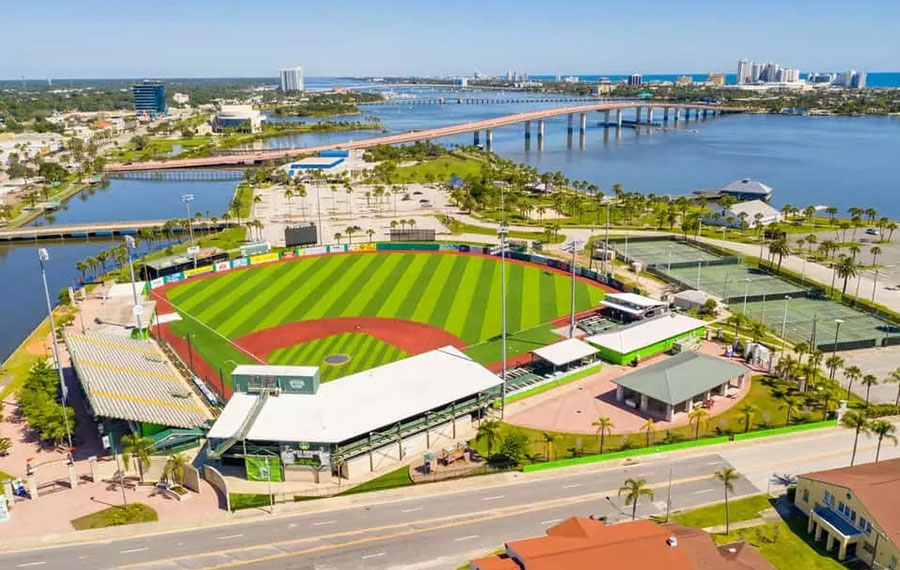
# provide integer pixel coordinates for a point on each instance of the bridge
(100, 230)
(473, 100)
(677, 111)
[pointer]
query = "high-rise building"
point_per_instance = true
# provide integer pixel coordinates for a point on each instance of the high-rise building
(790, 75)
(684, 80)
(149, 98)
(859, 81)
(745, 71)
(510, 75)
(635, 80)
(292, 79)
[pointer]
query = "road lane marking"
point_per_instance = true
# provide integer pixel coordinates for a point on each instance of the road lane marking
(25, 565)
(571, 486)
(551, 521)
(376, 555)
(704, 491)
(411, 510)
(469, 537)
(493, 498)
(229, 536)
(323, 523)
(715, 462)
(130, 550)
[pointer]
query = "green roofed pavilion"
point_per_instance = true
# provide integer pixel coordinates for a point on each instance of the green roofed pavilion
(676, 383)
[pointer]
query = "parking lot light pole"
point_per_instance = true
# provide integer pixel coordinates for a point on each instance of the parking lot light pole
(746, 292)
(837, 330)
(44, 255)
(784, 325)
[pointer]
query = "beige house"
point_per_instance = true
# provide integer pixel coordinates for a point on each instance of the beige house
(855, 510)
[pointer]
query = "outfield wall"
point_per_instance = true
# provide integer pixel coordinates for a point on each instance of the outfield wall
(288, 254)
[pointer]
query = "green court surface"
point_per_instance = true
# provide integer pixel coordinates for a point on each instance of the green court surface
(457, 293)
(662, 252)
(732, 280)
(802, 312)
(363, 352)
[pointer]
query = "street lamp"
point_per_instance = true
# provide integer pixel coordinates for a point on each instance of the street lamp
(187, 199)
(746, 292)
(44, 255)
(837, 330)
(573, 246)
(784, 324)
(138, 309)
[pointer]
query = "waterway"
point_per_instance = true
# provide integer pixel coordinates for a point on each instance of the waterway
(807, 160)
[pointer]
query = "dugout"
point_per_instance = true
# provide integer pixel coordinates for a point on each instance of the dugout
(172, 264)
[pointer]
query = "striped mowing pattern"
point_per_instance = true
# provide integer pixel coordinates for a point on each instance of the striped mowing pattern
(365, 352)
(457, 293)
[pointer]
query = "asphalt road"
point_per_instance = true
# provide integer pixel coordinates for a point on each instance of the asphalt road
(441, 529)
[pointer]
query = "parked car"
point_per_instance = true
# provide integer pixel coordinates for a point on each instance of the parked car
(872, 231)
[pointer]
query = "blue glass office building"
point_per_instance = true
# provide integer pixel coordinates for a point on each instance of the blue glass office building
(150, 98)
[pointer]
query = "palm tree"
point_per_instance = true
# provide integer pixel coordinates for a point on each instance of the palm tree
(894, 378)
(828, 396)
(884, 430)
(792, 404)
(698, 416)
(370, 232)
(549, 443)
(747, 412)
(350, 231)
(489, 431)
(851, 373)
(875, 251)
(649, 427)
(173, 470)
(868, 381)
(289, 194)
(779, 247)
(137, 447)
(833, 363)
(633, 489)
(337, 237)
(846, 268)
(727, 475)
(860, 424)
(604, 426)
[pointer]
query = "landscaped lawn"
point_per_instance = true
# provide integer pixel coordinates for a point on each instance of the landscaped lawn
(744, 509)
(248, 501)
(786, 545)
(365, 352)
(396, 478)
(457, 293)
(114, 516)
(441, 169)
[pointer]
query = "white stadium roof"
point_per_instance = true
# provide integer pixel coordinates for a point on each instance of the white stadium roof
(565, 351)
(360, 403)
(644, 333)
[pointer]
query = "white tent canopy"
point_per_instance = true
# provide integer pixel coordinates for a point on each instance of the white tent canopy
(564, 352)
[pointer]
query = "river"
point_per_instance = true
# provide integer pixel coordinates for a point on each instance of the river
(807, 160)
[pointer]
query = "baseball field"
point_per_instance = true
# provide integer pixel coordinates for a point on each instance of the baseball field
(352, 312)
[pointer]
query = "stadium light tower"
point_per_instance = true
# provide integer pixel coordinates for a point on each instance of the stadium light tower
(502, 232)
(138, 309)
(573, 247)
(837, 331)
(787, 298)
(187, 199)
(44, 255)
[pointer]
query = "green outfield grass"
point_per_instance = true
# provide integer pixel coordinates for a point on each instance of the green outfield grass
(364, 351)
(457, 293)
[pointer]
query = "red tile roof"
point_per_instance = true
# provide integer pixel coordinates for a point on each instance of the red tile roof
(579, 543)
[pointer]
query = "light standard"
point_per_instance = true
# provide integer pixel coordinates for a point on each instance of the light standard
(874, 285)
(502, 231)
(138, 309)
(669, 263)
(784, 324)
(746, 292)
(837, 330)
(44, 255)
(606, 246)
(573, 245)
(187, 199)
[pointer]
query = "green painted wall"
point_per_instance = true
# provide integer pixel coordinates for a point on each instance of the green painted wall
(647, 351)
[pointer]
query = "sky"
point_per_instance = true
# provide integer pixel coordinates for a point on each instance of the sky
(230, 38)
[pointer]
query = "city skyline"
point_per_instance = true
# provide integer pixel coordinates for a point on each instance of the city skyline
(198, 40)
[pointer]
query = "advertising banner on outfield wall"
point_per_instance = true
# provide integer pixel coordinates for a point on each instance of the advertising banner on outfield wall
(174, 278)
(158, 282)
(222, 266)
(364, 247)
(318, 250)
(448, 247)
(197, 271)
(240, 262)
(264, 258)
(337, 248)
(289, 254)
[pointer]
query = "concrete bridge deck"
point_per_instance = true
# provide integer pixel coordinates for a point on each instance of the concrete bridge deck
(100, 230)
(411, 136)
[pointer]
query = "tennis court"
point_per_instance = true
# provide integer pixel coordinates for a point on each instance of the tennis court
(732, 281)
(661, 252)
(858, 330)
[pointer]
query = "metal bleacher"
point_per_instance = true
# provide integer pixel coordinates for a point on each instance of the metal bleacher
(595, 324)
